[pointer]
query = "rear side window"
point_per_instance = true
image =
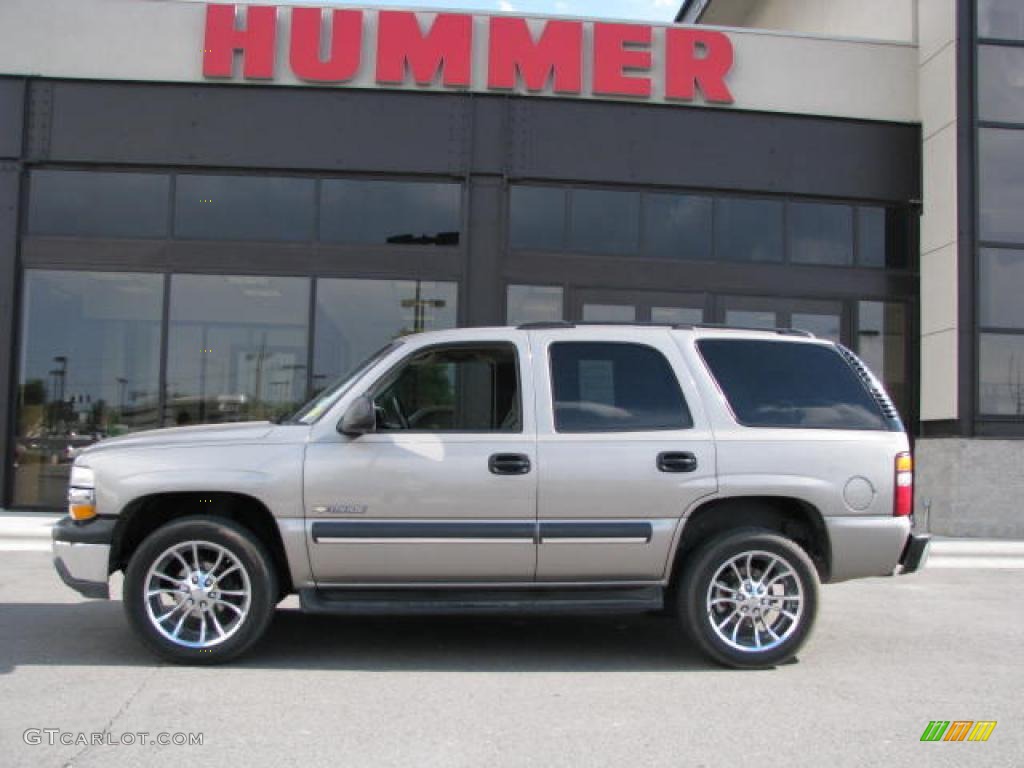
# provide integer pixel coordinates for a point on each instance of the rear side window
(787, 384)
(608, 387)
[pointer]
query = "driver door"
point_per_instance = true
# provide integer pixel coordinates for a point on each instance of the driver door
(445, 489)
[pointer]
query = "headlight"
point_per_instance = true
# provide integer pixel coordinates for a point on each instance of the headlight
(82, 494)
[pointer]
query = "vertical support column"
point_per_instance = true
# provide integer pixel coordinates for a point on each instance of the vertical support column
(483, 291)
(9, 195)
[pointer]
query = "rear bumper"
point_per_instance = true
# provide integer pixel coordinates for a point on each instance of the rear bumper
(866, 546)
(915, 553)
(81, 554)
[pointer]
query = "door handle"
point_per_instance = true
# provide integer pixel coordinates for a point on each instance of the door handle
(509, 464)
(677, 461)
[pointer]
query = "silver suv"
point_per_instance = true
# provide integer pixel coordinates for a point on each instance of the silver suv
(717, 475)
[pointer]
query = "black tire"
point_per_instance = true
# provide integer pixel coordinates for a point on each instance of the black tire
(238, 543)
(697, 615)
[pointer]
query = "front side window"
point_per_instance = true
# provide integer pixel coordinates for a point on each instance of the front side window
(614, 387)
(790, 384)
(460, 388)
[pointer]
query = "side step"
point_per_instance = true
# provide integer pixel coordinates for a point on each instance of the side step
(467, 600)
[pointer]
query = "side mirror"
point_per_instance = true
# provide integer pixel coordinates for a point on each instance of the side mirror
(360, 418)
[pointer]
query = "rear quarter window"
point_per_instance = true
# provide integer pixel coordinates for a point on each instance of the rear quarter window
(790, 384)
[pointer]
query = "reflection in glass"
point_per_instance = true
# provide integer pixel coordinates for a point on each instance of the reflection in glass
(244, 207)
(822, 326)
(677, 226)
(533, 304)
(882, 344)
(537, 218)
(1001, 374)
(236, 348)
(356, 317)
(1001, 19)
(999, 295)
(604, 221)
(748, 229)
(1001, 179)
(93, 204)
(674, 315)
(89, 370)
(871, 239)
(396, 212)
(609, 313)
(1000, 85)
(743, 318)
(820, 233)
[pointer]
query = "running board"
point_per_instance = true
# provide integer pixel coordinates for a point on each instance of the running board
(460, 600)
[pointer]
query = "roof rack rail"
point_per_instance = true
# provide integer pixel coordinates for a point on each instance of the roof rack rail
(724, 327)
(545, 325)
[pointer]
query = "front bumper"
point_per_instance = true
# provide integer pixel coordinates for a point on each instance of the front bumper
(81, 554)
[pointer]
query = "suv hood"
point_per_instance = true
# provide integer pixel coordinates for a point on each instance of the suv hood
(244, 432)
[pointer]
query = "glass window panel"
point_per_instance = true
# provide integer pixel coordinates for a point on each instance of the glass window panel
(601, 387)
(675, 315)
(882, 344)
(677, 226)
(871, 238)
(1002, 19)
(748, 229)
(1001, 83)
(1001, 375)
(609, 313)
(744, 318)
(244, 208)
(396, 212)
(1002, 284)
(537, 218)
(822, 326)
(457, 389)
(1001, 176)
(356, 317)
(820, 233)
(93, 204)
(604, 221)
(787, 384)
(236, 347)
(90, 363)
(533, 304)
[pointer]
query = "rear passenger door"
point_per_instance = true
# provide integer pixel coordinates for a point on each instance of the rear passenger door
(623, 449)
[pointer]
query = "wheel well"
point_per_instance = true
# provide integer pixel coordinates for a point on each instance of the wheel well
(793, 518)
(143, 516)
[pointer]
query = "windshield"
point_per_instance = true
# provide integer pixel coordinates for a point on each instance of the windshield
(322, 402)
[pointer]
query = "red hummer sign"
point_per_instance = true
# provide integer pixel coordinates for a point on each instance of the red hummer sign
(462, 51)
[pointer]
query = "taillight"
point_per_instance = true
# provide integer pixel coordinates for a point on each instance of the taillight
(903, 500)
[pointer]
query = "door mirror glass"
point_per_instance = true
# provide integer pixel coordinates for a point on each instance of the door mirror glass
(359, 419)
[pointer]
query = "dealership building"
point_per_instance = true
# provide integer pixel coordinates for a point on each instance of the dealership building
(208, 211)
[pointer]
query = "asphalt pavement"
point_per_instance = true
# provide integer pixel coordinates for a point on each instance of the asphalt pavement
(888, 656)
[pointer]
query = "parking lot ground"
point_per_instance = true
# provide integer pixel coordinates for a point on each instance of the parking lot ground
(888, 656)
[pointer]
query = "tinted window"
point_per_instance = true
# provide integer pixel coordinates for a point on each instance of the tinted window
(1000, 87)
(601, 387)
(604, 221)
(871, 240)
(882, 344)
(532, 304)
(1001, 19)
(677, 227)
(820, 233)
(244, 208)
(748, 230)
(537, 218)
(86, 203)
(397, 212)
(1001, 175)
(787, 384)
(1002, 275)
(1001, 374)
(454, 389)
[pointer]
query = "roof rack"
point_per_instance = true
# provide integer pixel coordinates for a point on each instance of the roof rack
(547, 325)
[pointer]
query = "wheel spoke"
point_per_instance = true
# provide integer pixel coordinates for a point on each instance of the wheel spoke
(739, 576)
(714, 601)
(195, 556)
(180, 559)
(757, 632)
(216, 624)
(165, 577)
(750, 566)
(232, 569)
(232, 592)
(174, 610)
(722, 586)
(180, 623)
(162, 591)
(736, 629)
(216, 563)
(232, 606)
(768, 570)
(202, 628)
(728, 619)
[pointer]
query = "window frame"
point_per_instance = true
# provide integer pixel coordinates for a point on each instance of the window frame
(390, 376)
(688, 422)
